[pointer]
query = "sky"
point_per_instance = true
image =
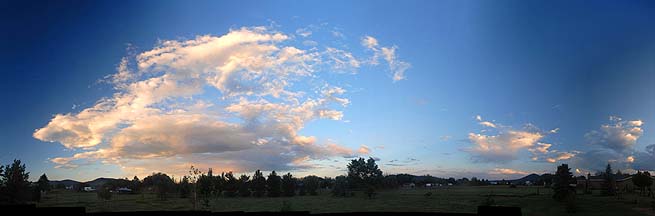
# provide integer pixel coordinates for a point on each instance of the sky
(492, 89)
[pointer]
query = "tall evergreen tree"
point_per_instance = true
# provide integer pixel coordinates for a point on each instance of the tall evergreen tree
(231, 185)
(15, 183)
(43, 183)
(273, 185)
(258, 184)
(185, 187)
(204, 188)
(288, 185)
(244, 186)
(561, 183)
(609, 184)
(135, 185)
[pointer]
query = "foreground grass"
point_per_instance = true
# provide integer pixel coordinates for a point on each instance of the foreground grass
(452, 199)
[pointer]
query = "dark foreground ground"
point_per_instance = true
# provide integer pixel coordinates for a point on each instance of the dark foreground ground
(459, 199)
(70, 211)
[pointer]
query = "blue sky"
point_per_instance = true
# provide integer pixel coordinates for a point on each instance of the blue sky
(570, 77)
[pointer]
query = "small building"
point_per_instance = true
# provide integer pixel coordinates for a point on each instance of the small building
(409, 185)
(89, 189)
(623, 182)
(124, 190)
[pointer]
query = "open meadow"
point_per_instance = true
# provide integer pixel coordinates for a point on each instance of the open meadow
(465, 199)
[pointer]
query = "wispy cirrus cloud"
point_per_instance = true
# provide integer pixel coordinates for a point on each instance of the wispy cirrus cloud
(231, 97)
(388, 54)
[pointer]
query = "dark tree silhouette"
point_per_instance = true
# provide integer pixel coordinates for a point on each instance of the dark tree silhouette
(204, 188)
(244, 184)
(15, 187)
(219, 183)
(643, 181)
(288, 185)
(43, 183)
(231, 185)
(340, 187)
(561, 183)
(311, 184)
(185, 187)
(135, 185)
(161, 183)
(273, 184)
(364, 174)
(610, 183)
(258, 184)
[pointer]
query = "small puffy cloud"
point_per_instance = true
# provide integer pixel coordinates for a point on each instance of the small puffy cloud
(630, 159)
(560, 156)
(541, 148)
(310, 43)
(369, 42)
(484, 123)
(488, 124)
(304, 32)
(364, 150)
(618, 135)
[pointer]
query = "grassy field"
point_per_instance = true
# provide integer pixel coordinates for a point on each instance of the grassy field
(452, 199)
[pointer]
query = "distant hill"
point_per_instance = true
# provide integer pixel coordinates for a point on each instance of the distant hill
(66, 182)
(532, 178)
(99, 182)
(93, 183)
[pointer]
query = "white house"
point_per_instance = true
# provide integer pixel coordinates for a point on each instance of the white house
(89, 189)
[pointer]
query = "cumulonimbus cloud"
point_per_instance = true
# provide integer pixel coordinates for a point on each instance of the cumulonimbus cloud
(231, 97)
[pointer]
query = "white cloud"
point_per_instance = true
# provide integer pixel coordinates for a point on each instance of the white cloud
(162, 112)
(304, 32)
(396, 66)
(615, 143)
(507, 171)
(484, 123)
(365, 150)
(618, 135)
(502, 147)
(488, 124)
(507, 143)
